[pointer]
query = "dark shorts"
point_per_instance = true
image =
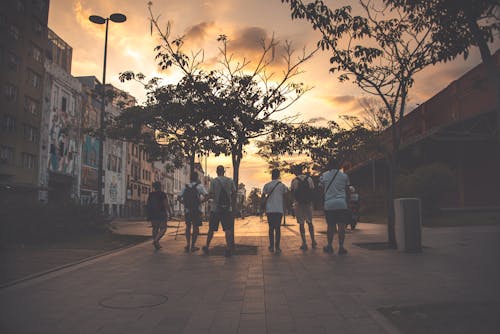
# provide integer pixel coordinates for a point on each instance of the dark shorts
(274, 219)
(193, 218)
(225, 218)
(340, 216)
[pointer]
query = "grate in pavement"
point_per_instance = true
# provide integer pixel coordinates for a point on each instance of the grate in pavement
(451, 317)
(127, 301)
(218, 250)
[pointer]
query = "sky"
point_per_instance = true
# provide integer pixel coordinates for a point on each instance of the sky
(130, 47)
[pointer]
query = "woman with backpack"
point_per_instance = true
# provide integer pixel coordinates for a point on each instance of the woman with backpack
(191, 197)
(302, 188)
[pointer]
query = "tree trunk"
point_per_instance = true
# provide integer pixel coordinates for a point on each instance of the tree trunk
(391, 182)
(391, 194)
(191, 163)
(491, 69)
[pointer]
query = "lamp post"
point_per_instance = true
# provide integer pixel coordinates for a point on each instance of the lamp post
(117, 18)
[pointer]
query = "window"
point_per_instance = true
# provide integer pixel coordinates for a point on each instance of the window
(14, 32)
(64, 103)
(37, 27)
(6, 155)
(9, 123)
(10, 92)
(30, 133)
(36, 53)
(31, 106)
(34, 79)
(28, 160)
(20, 6)
(13, 62)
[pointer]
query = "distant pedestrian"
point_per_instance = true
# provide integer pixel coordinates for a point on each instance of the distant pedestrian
(158, 211)
(222, 191)
(274, 192)
(334, 184)
(191, 196)
(302, 188)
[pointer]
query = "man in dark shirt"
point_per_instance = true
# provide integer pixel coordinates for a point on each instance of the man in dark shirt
(158, 209)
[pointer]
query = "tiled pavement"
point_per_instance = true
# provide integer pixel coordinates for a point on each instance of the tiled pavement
(142, 291)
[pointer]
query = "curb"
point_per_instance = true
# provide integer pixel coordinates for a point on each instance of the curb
(67, 265)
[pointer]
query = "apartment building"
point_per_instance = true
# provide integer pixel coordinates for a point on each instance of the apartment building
(23, 41)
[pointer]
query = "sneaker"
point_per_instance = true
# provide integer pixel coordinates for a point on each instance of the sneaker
(157, 245)
(328, 249)
(342, 251)
(194, 248)
(303, 247)
(271, 249)
(278, 250)
(205, 250)
(314, 245)
(186, 249)
(227, 252)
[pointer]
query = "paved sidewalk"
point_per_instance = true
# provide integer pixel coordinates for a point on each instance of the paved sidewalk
(169, 291)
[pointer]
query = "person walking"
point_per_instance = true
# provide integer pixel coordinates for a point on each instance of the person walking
(191, 196)
(274, 192)
(334, 184)
(302, 188)
(158, 211)
(222, 191)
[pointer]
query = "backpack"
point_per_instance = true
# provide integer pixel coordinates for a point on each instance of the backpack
(191, 198)
(303, 193)
(224, 202)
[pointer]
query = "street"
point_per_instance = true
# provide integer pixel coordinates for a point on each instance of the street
(138, 290)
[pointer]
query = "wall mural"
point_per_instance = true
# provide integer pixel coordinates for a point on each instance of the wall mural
(63, 137)
(90, 151)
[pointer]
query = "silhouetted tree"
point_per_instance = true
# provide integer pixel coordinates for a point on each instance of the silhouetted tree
(381, 51)
(460, 25)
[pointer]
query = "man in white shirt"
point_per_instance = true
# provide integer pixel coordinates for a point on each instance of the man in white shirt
(334, 184)
(274, 191)
(192, 195)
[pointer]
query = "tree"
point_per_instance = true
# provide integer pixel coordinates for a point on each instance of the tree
(460, 24)
(254, 200)
(381, 51)
(178, 118)
(318, 143)
(252, 97)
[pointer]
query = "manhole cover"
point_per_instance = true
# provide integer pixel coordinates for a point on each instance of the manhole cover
(239, 250)
(132, 301)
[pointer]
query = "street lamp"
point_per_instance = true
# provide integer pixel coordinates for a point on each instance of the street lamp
(117, 18)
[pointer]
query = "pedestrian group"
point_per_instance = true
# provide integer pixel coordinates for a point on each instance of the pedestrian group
(334, 184)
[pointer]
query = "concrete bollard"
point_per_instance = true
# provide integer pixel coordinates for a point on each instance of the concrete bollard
(408, 216)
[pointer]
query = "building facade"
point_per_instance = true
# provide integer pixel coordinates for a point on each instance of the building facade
(23, 41)
(91, 111)
(61, 119)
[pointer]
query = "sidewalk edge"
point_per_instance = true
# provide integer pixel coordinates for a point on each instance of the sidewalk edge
(67, 265)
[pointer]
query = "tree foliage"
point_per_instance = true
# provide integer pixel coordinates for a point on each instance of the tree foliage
(317, 144)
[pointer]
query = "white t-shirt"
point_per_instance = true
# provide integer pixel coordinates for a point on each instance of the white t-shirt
(335, 197)
(201, 191)
(275, 203)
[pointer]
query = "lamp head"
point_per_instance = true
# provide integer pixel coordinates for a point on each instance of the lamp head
(118, 18)
(97, 19)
